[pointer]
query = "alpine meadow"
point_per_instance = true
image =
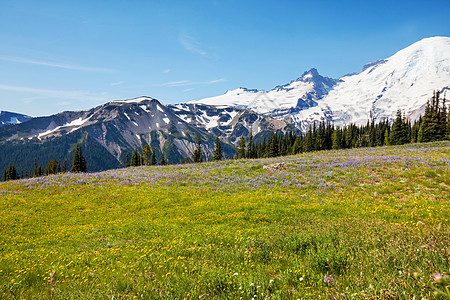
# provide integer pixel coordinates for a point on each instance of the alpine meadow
(362, 223)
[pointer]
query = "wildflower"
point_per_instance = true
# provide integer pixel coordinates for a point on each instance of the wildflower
(328, 279)
(438, 277)
(235, 274)
(271, 280)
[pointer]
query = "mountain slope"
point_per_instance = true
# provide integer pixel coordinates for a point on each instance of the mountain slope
(120, 126)
(403, 81)
(8, 118)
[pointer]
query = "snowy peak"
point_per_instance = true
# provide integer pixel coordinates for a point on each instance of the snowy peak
(405, 81)
(298, 94)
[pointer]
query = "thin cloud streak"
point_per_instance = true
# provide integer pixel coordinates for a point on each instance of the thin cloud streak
(59, 94)
(191, 44)
(116, 83)
(188, 83)
(28, 61)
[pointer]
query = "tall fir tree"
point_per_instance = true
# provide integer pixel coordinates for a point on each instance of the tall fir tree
(432, 127)
(163, 160)
(218, 149)
(79, 163)
(399, 132)
(146, 155)
(153, 161)
(198, 155)
(241, 147)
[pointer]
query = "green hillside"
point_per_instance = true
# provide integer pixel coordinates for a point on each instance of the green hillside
(365, 223)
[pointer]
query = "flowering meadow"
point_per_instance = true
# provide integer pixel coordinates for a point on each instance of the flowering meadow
(365, 223)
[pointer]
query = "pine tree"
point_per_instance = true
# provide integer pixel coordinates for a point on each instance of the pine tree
(76, 164)
(35, 168)
(127, 161)
(198, 156)
(399, 131)
(146, 155)
(431, 128)
(187, 160)
(153, 161)
(218, 150)
(52, 167)
(337, 139)
(135, 158)
(251, 152)
(163, 160)
(298, 145)
(79, 162)
(83, 162)
(241, 147)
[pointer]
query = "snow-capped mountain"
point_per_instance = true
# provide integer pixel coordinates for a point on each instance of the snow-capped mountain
(403, 81)
(228, 122)
(117, 127)
(302, 93)
(7, 118)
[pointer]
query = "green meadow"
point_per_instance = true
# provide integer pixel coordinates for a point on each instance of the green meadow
(368, 223)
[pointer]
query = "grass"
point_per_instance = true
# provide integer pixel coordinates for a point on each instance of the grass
(358, 224)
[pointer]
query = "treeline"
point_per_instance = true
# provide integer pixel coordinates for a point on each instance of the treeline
(147, 156)
(434, 125)
(79, 164)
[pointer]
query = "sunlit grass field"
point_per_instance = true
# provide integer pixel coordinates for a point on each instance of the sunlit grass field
(351, 224)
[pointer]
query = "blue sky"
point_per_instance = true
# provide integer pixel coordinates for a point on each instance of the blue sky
(72, 55)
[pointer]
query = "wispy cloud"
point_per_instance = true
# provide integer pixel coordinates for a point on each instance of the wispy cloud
(28, 61)
(166, 71)
(189, 83)
(116, 83)
(58, 94)
(191, 44)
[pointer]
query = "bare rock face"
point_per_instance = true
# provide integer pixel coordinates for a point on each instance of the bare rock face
(275, 167)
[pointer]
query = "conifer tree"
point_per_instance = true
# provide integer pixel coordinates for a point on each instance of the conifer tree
(153, 161)
(79, 162)
(241, 147)
(76, 164)
(127, 160)
(432, 127)
(297, 147)
(218, 150)
(52, 167)
(135, 158)
(399, 131)
(198, 156)
(146, 155)
(35, 168)
(251, 152)
(163, 160)
(337, 139)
